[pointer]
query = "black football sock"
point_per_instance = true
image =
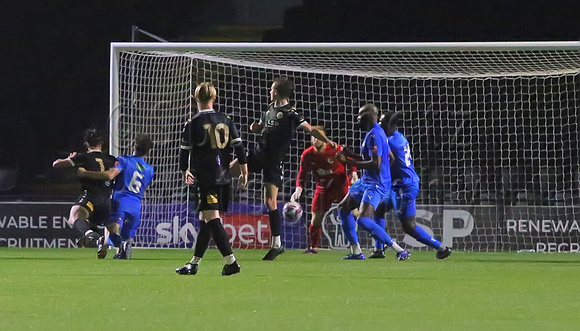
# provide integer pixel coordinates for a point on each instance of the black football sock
(202, 241)
(274, 218)
(220, 237)
(82, 225)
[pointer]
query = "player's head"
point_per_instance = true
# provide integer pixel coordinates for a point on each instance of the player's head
(390, 122)
(143, 145)
(368, 116)
(93, 139)
(205, 94)
(282, 88)
(317, 143)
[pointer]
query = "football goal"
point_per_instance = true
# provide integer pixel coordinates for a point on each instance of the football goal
(493, 128)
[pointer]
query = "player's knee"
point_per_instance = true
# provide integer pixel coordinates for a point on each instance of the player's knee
(367, 211)
(114, 228)
(316, 220)
(346, 205)
(271, 204)
(408, 225)
(343, 206)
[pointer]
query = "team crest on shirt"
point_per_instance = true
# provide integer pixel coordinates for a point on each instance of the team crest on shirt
(211, 199)
(279, 115)
(330, 160)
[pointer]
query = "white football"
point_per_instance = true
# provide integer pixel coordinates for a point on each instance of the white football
(292, 211)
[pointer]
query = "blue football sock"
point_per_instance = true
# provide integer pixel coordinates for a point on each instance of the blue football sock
(382, 223)
(348, 226)
(376, 231)
(423, 237)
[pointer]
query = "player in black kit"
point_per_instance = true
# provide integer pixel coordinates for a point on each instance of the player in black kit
(93, 206)
(206, 139)
(276, 129)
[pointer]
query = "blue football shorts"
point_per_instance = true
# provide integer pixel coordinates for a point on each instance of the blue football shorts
(366, 192)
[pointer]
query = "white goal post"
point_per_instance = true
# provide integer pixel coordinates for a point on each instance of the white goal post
(494, 129)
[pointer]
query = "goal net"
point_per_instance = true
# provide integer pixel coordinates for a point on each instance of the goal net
(493, 128)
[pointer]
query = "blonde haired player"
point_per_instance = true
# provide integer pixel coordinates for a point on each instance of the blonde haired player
(207, 139)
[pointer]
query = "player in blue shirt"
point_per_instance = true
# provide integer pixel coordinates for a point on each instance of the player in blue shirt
(132, 176)
(371, 188)
(404, 190)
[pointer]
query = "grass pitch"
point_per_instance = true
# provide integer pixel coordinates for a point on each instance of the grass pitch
(51, 289)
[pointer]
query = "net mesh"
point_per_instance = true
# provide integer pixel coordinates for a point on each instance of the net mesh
(494, 136)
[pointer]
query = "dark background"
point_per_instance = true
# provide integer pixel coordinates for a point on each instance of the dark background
(55, 54)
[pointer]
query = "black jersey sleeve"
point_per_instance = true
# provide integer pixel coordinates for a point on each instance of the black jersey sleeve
(185, 146)
(234, 133)
(111, 162)
(187, 136)
(236, 142)
(295, 117)
(79, 159)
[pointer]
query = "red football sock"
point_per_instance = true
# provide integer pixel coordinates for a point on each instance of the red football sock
(315, 233)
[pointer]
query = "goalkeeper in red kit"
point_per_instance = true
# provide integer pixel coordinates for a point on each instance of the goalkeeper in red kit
(332, 182)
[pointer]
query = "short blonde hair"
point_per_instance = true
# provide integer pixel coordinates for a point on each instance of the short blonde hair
(205, 92)
(321, 128)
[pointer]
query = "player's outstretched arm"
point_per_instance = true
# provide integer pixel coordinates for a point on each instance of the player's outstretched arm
(349, 152)
(64, 163)
(100, 175)
(373, 163)
(317, 133)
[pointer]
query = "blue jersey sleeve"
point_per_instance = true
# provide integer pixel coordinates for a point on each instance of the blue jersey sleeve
(121, 164)
(380, 143)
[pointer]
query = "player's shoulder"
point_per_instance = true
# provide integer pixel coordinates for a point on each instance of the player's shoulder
(293, 112)
(308, 151)
(379, 131)
(111, 158)
(80, 155)
(287, 108)
(397, 136)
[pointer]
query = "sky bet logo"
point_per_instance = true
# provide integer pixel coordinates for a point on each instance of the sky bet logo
(247, 231)
(171, 233)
